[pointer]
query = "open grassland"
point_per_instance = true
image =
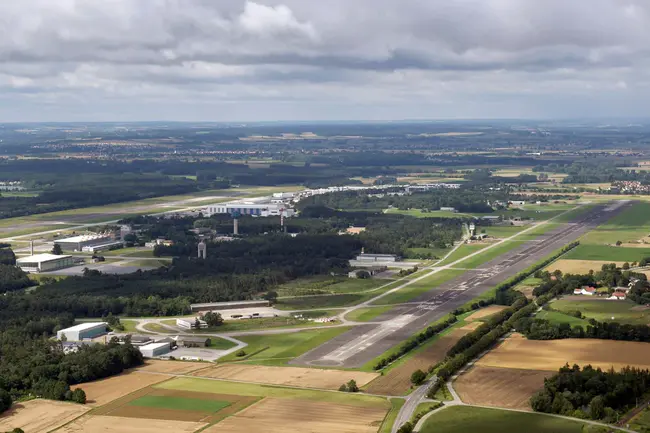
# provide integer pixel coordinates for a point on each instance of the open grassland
(631, 225)
(395, 406)
(328, 285)
(550, 355)
(463, 251)
(487, 255)
(397, 379)
(499, 387)
(641, 421)
(366, 314)
(484, 313)
(106, 390)
(279, 349)
(114, 424)
(418, 288)
(569, 266)
(607, 253)
(255, 390)
(289, 376)
(280, 416)
(500, 231)
(605, 310)
(557, 317)
(171, 367)
(40, 416)
(464, 419)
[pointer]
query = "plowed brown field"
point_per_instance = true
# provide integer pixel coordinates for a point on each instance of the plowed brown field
(172, 367)
(397, 381)
(292, 376)
(40, 416)
(288, 416)
(500, 387)
(550, 355)
(485, 312)
(114, 424)
(104, 391)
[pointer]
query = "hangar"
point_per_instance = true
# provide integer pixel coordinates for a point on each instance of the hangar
(44, 262)
(83, 331)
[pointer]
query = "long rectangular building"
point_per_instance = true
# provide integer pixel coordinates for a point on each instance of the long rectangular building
(83, 331)
(249, 208)
(44, 262)
(77, 243)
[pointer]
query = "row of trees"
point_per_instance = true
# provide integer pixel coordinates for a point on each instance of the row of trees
(592, 393)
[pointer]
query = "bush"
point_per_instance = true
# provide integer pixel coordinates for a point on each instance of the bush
(79, 396)
(418, 377)
(240, 353)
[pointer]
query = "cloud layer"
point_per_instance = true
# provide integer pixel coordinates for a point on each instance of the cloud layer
(337, 59)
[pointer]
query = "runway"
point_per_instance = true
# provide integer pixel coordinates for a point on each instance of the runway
(360, 345)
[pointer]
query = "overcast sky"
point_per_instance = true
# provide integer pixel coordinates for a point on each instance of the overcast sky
(230, 60)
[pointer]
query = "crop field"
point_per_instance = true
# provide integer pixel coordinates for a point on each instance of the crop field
(550, 355)
(279, 349)
(605, 310)
(40, 416)
(568, 266)
(500, 387)
(631, 225)
(171, 367)
(106, 390)
(291, 376)
(418, 288)
(484, 313)
(282, 416)
(607, 253)
(176, 405)
(397, 380)
(463, 419)
(115, 424)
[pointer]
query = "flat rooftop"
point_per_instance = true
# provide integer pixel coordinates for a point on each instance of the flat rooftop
(154, 345)
(82, 238)
(84, 326)
(40, 258)
(227, 304)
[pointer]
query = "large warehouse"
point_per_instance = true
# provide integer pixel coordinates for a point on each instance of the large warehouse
(249, 208)
(83, 331)
(77, 243)
(152, 350)
(44, 262)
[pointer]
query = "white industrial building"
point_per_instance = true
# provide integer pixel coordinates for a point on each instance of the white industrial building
(44, 262)
(191, 323)
(83, 331)
(77, 243)
(152, 350)
(249, 208)
(365, 257)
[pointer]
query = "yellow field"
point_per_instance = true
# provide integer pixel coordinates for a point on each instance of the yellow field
(40, 416)
(172, 367)
(116, 424)
(569, 266)
(485, 312)
(292, 376)
(288, 416)
(550, 355)
(104, 391)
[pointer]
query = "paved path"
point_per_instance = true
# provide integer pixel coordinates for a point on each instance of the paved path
(410, 406)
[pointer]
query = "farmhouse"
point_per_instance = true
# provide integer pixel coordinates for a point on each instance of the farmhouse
(620, 296)
(83, 331)
(585, 290)
(44, 262)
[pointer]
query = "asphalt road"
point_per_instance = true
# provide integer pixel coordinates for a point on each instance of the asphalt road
(360, 345)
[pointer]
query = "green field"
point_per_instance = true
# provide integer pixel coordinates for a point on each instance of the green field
(366, 314)
(464, 419)
(311, 302)
(628, 226)
(253, 390)
(558, 317)
(641, 422)
(220, 344)
(279, 349)
(179, 403)
(328, 285)
(130, 252)
(418, 288)
(462, 251)
(604, 310)
(605, 252)
(255, 324)
(431, 214)
(500, 231)
(396, 405)
(488, 255)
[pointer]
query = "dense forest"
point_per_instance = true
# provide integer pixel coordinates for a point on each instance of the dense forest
(600, 171)
(592, 393)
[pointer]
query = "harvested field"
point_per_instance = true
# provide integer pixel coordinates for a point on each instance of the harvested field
(397, 380)
(527, 291)
(175, 405)
(485, 312)
(171, 367)
(104, 391)
(570, 266)
(471, 326)
(500, 387)
(40, 416)
(114, 424)
(550, 355)
(292, 376)
(287, 416)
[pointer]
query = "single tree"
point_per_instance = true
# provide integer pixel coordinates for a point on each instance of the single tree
(56, 250)
(352, 386)
(418, 377)
(596, 407)
(79, 396)
(213, 319)
(626, 266)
